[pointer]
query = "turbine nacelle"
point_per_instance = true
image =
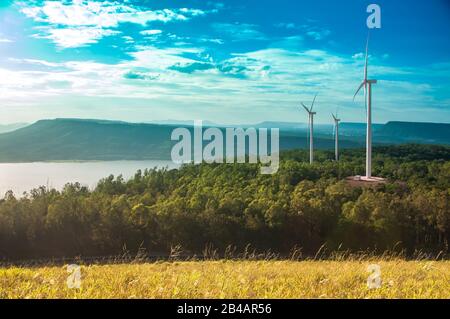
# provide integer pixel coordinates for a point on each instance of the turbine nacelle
(335, 118)
(309, 110)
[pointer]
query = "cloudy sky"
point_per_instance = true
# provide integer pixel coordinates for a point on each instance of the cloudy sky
(230, 61)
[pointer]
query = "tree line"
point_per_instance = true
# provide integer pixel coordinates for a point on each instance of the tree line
(219, 205)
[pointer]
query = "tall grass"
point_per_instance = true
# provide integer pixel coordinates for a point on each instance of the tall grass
(338, 274)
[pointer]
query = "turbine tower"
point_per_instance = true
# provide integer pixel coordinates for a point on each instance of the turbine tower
(336, 136)
(311, 128)
(367, 84)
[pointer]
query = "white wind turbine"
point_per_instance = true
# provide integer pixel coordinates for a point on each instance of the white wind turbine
(311, 129)
(336, 135)
(367, 84)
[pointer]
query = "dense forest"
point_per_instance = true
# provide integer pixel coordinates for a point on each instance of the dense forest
(222, 204)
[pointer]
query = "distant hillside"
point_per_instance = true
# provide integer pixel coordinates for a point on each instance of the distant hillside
(4, 128)
(422, 132)
(79, 139)
(356, 129)
(282, 125)
(76, 139)
(70, 139)
(182, 123)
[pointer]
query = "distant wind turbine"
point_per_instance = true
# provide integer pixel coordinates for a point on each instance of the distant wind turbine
(367, 84)
(336, 135)
(311, 129)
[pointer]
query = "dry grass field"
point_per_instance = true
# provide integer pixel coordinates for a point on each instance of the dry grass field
(232, 279)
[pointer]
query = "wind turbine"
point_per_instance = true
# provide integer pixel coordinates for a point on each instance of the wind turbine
(311, 128)
(336, 135)
(367, 84)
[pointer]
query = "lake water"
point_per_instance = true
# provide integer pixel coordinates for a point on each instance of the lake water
(21, 177)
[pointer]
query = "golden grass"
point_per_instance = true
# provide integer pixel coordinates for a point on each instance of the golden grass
(233, 279)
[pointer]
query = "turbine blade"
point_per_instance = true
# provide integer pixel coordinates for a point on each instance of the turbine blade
(306, 108)
(359, 88)
(367, 57)
(312, 105)
(334, 117)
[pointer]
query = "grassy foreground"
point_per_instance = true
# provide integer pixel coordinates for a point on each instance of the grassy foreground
(233, 279)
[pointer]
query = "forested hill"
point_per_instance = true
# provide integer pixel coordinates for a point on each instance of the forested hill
(73, 139)
(77, 139)
(310, 207)
(409, 131)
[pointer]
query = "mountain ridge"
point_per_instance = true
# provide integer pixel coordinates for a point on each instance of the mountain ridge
(91, 139)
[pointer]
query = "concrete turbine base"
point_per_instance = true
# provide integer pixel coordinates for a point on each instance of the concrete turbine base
(365, 181)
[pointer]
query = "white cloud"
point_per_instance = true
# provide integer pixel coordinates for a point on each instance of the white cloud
(211, 40)
(160, 59)
(85, 22)
(76, 37)
(102, 14)
(34, 62)
(4, 40)
(318, 34)
(312, 31)
(239, 31)
(128, 39)
(249, 82)
(287, 25)
(150, 32)
(193, 12)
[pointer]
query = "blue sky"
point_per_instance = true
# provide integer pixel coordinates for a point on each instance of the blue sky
(230, 61)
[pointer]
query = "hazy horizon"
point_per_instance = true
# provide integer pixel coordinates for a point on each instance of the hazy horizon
(205, 121)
